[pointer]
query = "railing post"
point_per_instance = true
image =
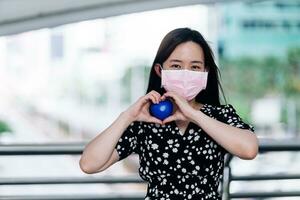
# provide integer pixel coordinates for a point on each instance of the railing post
(226, 178)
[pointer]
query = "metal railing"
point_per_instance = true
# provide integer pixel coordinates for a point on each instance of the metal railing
(266, 145)
(76, 149)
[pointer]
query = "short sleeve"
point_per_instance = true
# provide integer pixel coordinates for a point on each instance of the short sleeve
(127, 143)
(228, 115)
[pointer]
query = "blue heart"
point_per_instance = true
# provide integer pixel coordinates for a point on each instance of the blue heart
(162, 110)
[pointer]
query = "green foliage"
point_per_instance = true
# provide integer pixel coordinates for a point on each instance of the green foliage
(4, 127)
(247, 78)
(293, 72)
(257, 77)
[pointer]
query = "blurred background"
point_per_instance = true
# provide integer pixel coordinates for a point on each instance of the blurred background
(68, 68)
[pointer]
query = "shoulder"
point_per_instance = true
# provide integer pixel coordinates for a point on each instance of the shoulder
(221, 109)
(228, 114)
(225, 108)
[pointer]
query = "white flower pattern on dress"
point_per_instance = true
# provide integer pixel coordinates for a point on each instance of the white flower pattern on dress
(154, 146)
(177, 166)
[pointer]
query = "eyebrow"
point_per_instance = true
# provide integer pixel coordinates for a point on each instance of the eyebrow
(194, 61)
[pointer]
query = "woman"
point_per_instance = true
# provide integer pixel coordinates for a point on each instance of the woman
(182, 156)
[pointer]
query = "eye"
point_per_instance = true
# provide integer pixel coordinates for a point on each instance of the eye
(195, 67)
(175, 66)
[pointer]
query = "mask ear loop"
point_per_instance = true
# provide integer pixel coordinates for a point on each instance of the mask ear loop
(161, 69)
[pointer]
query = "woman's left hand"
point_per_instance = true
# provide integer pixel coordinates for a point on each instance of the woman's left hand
(182, 108)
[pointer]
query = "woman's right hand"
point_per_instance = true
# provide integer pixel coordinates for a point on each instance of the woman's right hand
(139, 111)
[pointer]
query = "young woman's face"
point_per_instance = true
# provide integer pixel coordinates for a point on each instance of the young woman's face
(187, 55)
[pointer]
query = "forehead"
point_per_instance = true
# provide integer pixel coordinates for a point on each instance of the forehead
(187, 51)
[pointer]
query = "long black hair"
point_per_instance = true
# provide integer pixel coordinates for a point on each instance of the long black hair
(210, 95)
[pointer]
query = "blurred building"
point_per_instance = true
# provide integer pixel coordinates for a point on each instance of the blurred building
(258, 28)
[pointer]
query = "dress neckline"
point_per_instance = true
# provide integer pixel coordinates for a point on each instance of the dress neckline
(177, 130)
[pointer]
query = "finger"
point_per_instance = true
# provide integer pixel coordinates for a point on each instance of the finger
(141, 102)
(175, 97)
(169, 119)
(156, 95)
(166, 97)
(142, 99)
(169, 98)
(154, 92)
(145, 106)
(169, 94)
(154, 120)
(162, 98)
(151, 97)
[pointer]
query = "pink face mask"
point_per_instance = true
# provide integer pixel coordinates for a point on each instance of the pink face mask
(184, 82)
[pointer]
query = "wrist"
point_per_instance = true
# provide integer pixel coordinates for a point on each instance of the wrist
(127, 117)
(195, 115)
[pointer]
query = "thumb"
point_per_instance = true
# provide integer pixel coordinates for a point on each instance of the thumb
(169, 119)
(154, 120)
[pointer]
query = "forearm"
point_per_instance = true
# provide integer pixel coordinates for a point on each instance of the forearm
(98, 151)
(240, 142)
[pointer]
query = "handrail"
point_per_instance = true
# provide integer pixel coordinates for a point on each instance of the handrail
(265, 145)
(136, 196)
(42, 149)
(72, 180)
(265, 177)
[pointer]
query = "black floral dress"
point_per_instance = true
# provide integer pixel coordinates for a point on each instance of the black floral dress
(176, 165)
